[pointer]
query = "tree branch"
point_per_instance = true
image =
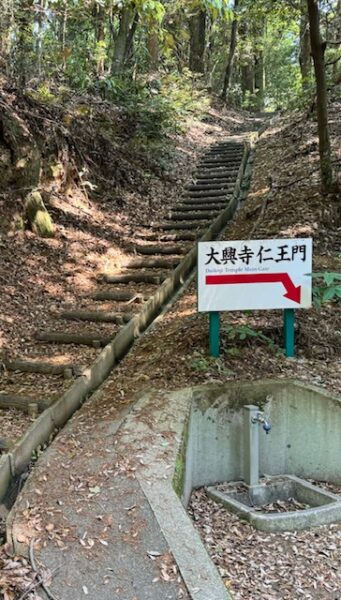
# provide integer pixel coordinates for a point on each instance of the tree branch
(333, 62)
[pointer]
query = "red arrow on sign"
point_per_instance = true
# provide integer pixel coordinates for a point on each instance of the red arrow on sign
(292, 292)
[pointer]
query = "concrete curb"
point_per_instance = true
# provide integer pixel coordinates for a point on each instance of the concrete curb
(169, 411)
(56, 416)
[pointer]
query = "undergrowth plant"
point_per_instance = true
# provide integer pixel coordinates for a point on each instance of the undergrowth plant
(326, 288)
(245, 332)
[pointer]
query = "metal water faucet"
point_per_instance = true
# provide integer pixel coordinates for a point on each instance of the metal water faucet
(261, 418)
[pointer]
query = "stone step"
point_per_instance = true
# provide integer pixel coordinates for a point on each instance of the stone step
(136, 277)
(43, 367)
(96, 316)
(85, 339)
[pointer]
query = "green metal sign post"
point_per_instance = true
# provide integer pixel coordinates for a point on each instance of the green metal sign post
(289, 332)
(214, 334)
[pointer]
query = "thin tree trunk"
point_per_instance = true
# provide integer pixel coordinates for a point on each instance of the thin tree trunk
(233, 45)
(24, 20)
(304, 56)
(197, 28)
(6, 35)
(100, 38)
(247, 73)
(129, 52)
(259, 31)
(318, 47)
(39, 35)
(337, 36)
(62, 31)
(121, 43)
(153, 50)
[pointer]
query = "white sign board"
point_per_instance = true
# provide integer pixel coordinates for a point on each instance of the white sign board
(257, 274)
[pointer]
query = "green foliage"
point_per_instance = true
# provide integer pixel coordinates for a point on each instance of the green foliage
(245, 332)
(77, 43)
(326, 288)
(209, 365)
(159, 106)
(283, 79)
(43, 94)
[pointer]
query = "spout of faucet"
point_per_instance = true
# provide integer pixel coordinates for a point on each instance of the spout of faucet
(267, 426)
(260, 418)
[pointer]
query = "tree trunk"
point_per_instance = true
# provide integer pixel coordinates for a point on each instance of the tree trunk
(24, 20)
(259, 31)
(6, 36)
(304, 56)
(259, 80)
(247, 73)
(337, 36)
(100, 38)
(39, 35)
(153, 50)
(122, 40)
(318, 47)
(197, 28)
(129, 53)
(233, 45)
(62, 31)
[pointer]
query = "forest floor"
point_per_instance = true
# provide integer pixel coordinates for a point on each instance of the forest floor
(284, 201)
